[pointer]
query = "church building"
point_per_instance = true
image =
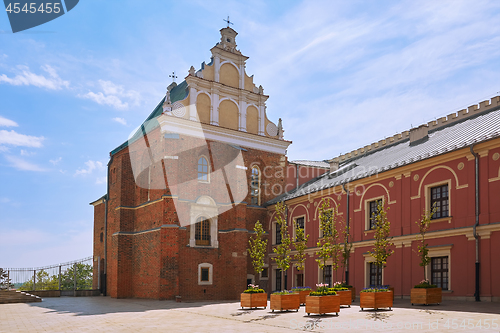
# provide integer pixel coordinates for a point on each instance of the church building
(185, 190)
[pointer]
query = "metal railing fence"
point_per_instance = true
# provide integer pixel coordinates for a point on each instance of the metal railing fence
(73, 275)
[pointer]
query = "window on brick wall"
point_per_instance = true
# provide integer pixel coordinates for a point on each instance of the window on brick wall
(439, 272)
(373, 211)
(202, 169)
(373, 275)
(299, 224)
(277, 233)
(440, 200)
(255, 186)
(202, 231)
(205, 274)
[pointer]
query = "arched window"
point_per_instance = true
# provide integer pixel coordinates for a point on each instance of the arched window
(202, 231)
(202, 169)
(255, 186)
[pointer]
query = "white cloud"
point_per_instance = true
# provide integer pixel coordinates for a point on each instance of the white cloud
(120, 120)
(56, 161)
(7, 122)
(21, 164)
(113, 95)
(27, 78)
(91, 166)
(15, 139)
(26, 153)
(101, 180)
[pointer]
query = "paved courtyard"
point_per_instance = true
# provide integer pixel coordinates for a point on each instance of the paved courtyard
(105, 314)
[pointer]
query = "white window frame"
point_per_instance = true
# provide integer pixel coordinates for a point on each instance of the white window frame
(367, 210)
(294, 221)
(210, 274)
(204, 207)
(369, 259)
(208, 169)
(427, 191)
(440, 251)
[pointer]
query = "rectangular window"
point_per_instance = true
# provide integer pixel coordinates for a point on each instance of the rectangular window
(373, 206)
(327, 271)
(439, 272)
(373, 275)
(299, 222)
(204, 274)
(278, 279)
(300, 280)
(439, 200)
(277, 233)
(264, 273)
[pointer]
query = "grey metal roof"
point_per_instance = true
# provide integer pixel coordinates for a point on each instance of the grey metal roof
(459, 135)
(317, 164)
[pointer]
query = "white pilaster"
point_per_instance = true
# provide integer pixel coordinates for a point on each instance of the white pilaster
(243, 116)
(262, 119)
(192, 104)
(214, 115)
(216, 68)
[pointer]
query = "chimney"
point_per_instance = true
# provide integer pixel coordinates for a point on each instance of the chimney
(419, 135)
(334, 164)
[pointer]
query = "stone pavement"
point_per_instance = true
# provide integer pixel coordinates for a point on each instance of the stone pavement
(105, 314)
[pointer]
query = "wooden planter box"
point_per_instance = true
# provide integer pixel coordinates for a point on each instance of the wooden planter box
(302, 295)
(253, 300)
(345, 297)
(383, 299)
(285, 302)
(323, 304)
(426, 296)
(353, 291)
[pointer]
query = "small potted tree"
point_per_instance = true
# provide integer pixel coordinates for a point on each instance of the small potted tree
(254, 296)
(379, 297)
(322, 301)
(425, 292)
(346, 254)
(283, 300)
(300, 245)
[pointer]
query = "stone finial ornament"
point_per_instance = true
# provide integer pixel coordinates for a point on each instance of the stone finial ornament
(191, 71)
(280, 129)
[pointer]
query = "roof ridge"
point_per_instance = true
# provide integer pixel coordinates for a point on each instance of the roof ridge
(434, 125)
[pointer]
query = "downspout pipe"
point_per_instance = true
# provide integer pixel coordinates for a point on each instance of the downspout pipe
(474, 228)
(346, 190)
(297, 175)
(106, 199)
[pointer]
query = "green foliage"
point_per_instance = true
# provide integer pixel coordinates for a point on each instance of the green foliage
(282, 250)
(322, 290)
(257, 248)
(46, 282)
(5, 282)
(283, 292)
(301, 288)
(83, 277)
(328, 244)
(254, 289)
(300, 245)
(423, 250)
(382, 247)
(43, 282)
(373, 290)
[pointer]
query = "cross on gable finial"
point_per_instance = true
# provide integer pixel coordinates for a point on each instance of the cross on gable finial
(228, 22)
(173, 76)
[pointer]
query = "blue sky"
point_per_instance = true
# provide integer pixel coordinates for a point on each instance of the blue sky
(341, 75)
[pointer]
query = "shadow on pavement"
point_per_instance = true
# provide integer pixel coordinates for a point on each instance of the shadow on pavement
(88, 306)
